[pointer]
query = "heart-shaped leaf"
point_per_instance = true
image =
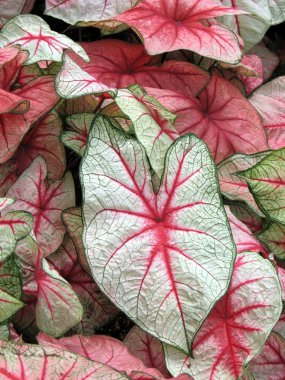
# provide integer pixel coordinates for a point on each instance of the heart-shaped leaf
(172, 25)
(34, 35)
(155, 244)
(45, 201)
(235, 330)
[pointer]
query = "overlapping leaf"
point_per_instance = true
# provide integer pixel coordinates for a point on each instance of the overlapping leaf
(237, 327)
(118, 64)
(168, 249)
(269, 100)
(266, 181)
(274, 238)
(28, 361)
(45, 201)
(270, 363)
(97, 309)
(172, 25)
(252, 26)
(248, 217)
(234, 187)
(12, 8)
(221, 116)
(277, 9)
(34, 35)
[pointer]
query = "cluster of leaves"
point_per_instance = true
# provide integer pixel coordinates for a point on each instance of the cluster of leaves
(146, 177)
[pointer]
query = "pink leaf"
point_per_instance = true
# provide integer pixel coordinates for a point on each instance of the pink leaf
(269, 59)
(172, 25)
(269, 101)
(43, 139)
(44, 201)
(97, 309)
(42, 97)
(147, 348)
(221, 116)
(27, 361)
(154, 244)
(270, 363)
(237, 327)
(12, 8)
(118, 64)
(104, 349)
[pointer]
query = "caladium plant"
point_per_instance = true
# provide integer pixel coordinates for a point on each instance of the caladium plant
(142, 225)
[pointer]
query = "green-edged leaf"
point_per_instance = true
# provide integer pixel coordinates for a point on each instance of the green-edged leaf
(234, 187)
(14, 225)
(274, 238)
(247, 216)
(162, 258)
(152, 125)
(58, 308)
(237, 327)
(34, 35)
(252, 26)
(266, 181)
(27, 361)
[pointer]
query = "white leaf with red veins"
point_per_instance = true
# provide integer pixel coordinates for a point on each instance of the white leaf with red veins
(252, 26)
(243, 237)
(232, 186)
(4, 202)
(281, 276)
(170, 25)
(165, 257)
(43, 140)
(97, 308)
(44, 201)
(269, 100)
(74, 11)
(248, 217)
(237, 327)
(269, 59)
(58, 307)
(29, 361)
(147, 348)
(221, 116)
(152, 130)
(270, 363)
(274, 237)
(34, 35)
(73, 82)
(118, 64)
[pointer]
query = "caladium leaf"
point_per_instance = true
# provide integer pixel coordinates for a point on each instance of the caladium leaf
(270, 363)
(252, 26)
(221, 116)
(118, 64)
(156, 236)
(72, 219)
(28, 73)
(34, 35)
(4, 202)
(11, 59)
(14, 225)
(74, 11)
(232, 186)
(269, 100)
(42, 139)
(44, 201)
(266, 181)
(10, 289)
(58, 307)
(18, 361)
(84, 104)
(243, 237)
(76, 138)
(42, 97)
(281, 275)
(280, 326)
(152, 130)
(97, 309)
(235, 331)
(277, 9)
(172, 25)
(274, 238)
(147, 348)
(246, 216)
(12, 8)
(103, 349)
(269, 59)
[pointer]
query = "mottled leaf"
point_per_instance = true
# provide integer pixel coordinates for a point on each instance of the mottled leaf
(274, 238)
